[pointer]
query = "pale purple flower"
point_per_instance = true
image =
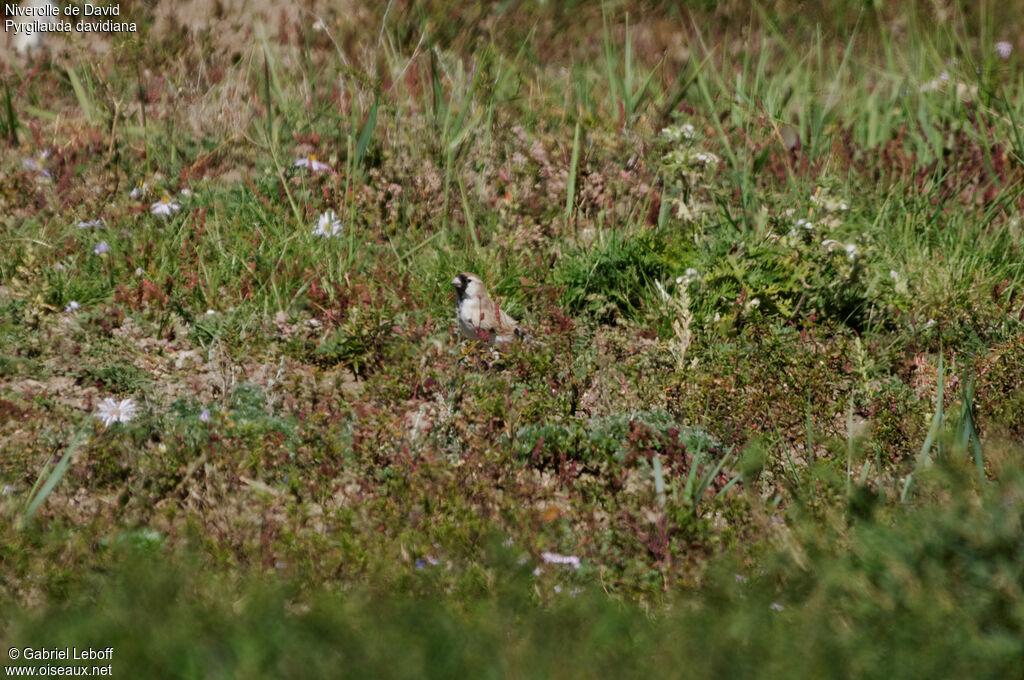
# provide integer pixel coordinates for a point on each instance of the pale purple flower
(164, 206)
(204, 415)
(101, 248)
(1004, 49)
(186, 192)
(555, 558)
(329, 225)
(139, 271)
(113, 411)
(312, 163)
(777, 607)
(91, 224)
(72, 306)
(32, 165)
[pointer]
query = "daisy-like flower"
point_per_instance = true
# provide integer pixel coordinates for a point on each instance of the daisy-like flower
(555, 558)
(101, 248)
(851, 251)
(91, 224)
(185, 192)
(72, 306)
(165, 207)
(32, 165)
(312, 163)
(329, 225)
(1004, 49)
(113, 411)
(140, 190)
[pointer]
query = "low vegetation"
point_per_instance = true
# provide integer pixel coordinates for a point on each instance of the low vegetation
(769, 425)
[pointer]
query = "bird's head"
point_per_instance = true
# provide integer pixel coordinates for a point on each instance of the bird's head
(468, 285)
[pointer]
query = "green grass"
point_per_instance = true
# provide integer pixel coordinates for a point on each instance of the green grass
(770, 260)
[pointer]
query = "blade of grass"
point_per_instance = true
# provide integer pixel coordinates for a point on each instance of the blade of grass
(11, 124)
(53, 478)
(367, 132)
(80, 94)
(924, 458)
(570, 195)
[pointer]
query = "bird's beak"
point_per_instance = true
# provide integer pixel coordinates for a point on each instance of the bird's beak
(455, 282)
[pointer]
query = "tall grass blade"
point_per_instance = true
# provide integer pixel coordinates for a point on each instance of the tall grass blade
(924, 458)
(11, 124)
(570, 195)
(54, 477)
(367, 132)
(80, 94)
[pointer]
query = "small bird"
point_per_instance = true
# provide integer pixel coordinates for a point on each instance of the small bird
(480, 317)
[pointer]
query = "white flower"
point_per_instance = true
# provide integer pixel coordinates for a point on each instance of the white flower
(33, 166)
(140, 190)
(677, 133)
(705, 158)
(688, 277)
(851, 251)
(186, 192)
(98, 224)
(164, 206)
(1004, 49)
(72, 306)
(555, 558)
(312, 163)
(210, 312)
(775, 606)
(101, 248)
(112, 411)
(329, 225)
(831, 244)
(898, 281)
(822, 198)
(139, 271)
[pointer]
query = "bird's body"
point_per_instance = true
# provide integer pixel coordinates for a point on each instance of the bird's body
(480, 317)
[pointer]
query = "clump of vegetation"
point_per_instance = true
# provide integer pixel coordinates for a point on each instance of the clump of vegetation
(765, 424)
